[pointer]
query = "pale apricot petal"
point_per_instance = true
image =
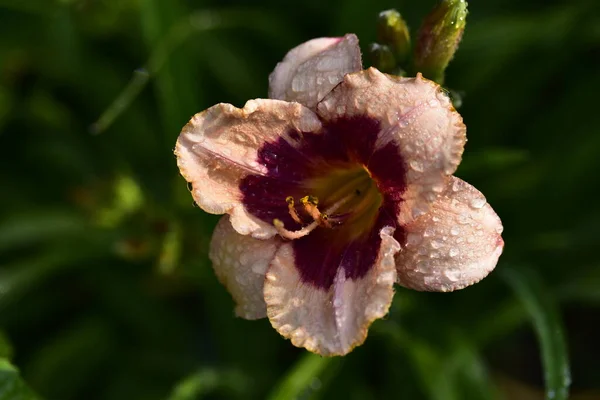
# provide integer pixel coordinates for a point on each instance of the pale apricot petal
(220, 146)
(456, 244)
(240, 263)
(329, 321)
(416, 117)
(309, 71)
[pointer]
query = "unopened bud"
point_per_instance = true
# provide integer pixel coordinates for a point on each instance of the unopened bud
(439, 37)
(393, 32)
(381, 57)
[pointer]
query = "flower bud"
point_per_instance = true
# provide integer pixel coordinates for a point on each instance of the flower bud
(381, 57)
(393, 32)
(438, 38)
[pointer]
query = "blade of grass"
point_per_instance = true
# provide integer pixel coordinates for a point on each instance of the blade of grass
(301, 379)
(6, 350)
(207, 380)
(197, 22)
(536, 299)
(468, 367)
(428, 363)
(12, 386)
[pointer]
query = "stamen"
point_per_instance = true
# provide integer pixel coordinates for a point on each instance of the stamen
(287, 234)
(292, 210)
(310, 206)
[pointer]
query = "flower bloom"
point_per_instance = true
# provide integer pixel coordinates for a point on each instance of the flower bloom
(336, 188)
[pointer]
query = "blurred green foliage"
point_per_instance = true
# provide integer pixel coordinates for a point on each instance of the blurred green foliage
(106, 291)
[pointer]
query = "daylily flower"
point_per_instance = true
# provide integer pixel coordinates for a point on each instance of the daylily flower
(336, 188)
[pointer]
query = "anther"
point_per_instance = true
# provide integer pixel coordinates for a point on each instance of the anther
(292, 210)
(321, 219)
(309, 200)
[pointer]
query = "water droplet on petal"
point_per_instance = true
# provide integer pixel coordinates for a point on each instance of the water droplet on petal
(456, 186)
(452, 275)
(436, 244)
(477, 202)
(298, 84)
(453, 252)
(413, 239)
(463, 218)
(416, 165)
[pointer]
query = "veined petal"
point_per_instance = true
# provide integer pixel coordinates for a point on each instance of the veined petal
(333, 320)
(456, 244)
(219, 147)
(416, 117)
(309, 71)
(240, 262)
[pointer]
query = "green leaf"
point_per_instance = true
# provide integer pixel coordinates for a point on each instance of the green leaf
(207, 380)
(5, 346)
(426, 361)
(22, 230)
(466, 365)
(12, 386)
(301, 379)
(536, 299)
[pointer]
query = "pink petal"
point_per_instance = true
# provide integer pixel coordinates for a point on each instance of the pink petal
(309, 71)
(240, 263)
(416, 116)
(456, 244)
(329, 321)
(219, 147)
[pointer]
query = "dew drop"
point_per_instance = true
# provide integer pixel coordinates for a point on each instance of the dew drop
(463, 219)
(298, 84)
(422, 266)
(438, 187)
(298, 333)
(453, 252)
(413, 239)
(416, 165)
(296, 302)
(436, 244)
(456, 186)
(452, 275)
(477, 203)
(454, 231)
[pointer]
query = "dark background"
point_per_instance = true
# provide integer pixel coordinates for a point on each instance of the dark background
(105, 287)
